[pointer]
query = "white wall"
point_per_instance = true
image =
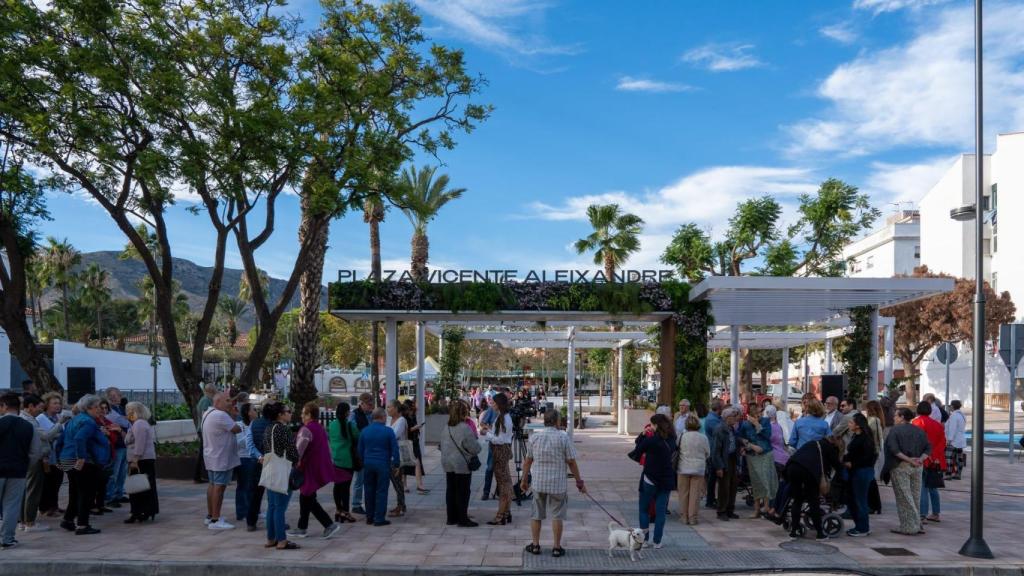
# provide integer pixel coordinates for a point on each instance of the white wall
(933, 376)
(889, 250)
(947, 245)
(1008, 259)
(124, 370)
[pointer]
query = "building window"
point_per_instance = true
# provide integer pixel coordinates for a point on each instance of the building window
(871, 262)
(987, 247)
(917, 252)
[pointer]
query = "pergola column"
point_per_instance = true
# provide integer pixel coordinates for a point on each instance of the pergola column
(873, 365)
(734, 365)
(785, 375)
(828, 355)
(619, 409)
(890, 344)
(391, 359)
(570, 383)
(421, 382)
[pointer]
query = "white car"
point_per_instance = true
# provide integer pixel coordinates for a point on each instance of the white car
(795, 393)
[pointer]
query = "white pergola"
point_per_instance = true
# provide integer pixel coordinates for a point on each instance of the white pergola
(775, 301)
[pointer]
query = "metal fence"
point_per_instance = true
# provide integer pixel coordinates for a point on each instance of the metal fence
(165, 396)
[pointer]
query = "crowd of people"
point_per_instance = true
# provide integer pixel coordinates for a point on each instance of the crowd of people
(833, 454)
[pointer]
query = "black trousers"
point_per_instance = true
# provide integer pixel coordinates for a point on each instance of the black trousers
(307, 505)
(101, 488)
(255, 496)
(199, 475)
(342, 495)
(874, 498)
(804, 487)
(711, 481)
(456, 496)
(82, 493)
(52, 481)
(146, 503)
(727, 487)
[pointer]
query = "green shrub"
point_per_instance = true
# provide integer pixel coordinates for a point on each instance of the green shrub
(166, 411)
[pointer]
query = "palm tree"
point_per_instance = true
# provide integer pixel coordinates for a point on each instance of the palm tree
(59, 259)
(231, 309)
(373, 214)
(95, 293)
(421, 198)
(615, 238)
(35, 284)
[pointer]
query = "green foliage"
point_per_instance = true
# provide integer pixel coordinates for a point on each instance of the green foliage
(177, 449)
(165, 411)
(615, 238)
(857, 354)
(451, 362)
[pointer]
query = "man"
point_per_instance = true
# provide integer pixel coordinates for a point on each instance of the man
(549, 456)
(220, 455)
(257, 429)
(32, 406)
(723, 462)
(15, 454)
(935, 406)
(201, 407)
(831, 404)
(711, 423)
(119, 471)
(378, 449)
(841, 422)
(956, 440)
(361, 416)
(681, 416)
(487, 419)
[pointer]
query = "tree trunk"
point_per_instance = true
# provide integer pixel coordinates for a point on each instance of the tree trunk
(313, 233)
(613, 380)
(99, 325)
(746, 378)
(373, 217)
(420, 253)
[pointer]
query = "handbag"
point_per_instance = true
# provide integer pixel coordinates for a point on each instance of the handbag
(276, 470)
(406, 456)
(137, 483)
(823, 485)
(473, 462)
(933, 477)
(296, 478)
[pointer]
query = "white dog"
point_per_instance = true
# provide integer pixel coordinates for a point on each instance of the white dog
(631, 539)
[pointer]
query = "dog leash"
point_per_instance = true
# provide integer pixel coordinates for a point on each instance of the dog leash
(614, 519)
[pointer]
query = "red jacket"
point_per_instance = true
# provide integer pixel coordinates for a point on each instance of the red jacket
(936, 437)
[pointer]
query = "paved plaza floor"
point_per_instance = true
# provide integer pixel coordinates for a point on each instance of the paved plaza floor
(179, 543)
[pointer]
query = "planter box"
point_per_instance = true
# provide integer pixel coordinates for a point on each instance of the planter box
(435, 426)
(176, 467)
(175, 429)
(636, 420)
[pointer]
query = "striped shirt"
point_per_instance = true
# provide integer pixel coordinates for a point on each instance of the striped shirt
(550, 450)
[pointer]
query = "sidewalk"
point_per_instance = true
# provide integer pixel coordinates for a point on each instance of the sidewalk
(179, 543)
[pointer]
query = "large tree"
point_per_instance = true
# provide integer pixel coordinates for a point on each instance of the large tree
(377, 91)
(421, 197)
(923, 324)
(59, 262)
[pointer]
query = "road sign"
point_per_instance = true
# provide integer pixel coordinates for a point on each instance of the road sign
(946, 354)
(1011, 344)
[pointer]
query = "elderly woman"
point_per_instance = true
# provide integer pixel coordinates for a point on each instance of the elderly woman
(693, 456)
(51, 424)
(458, 445)
(811, 426)
(780, 457)
(141, 443)
(906, 447)
(755, 434)
(317, 468)
(83, 452)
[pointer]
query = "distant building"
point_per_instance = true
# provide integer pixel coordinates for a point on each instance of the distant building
(894, 249)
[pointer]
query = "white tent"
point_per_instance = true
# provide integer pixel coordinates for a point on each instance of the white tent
(430, 371)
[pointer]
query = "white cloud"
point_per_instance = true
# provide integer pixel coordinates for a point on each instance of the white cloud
(723, 57)
(880, 6)
(507, 25)
(921, 93)
(631, 84)
(889, 183)
(842, 32)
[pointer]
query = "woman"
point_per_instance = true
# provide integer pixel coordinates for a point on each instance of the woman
(780, 456)
(247, 469)
(141, 443)
(51, 426)
(658, 480)
(906, 446)
(860, 458)
(499, 437)
(934, 464)
(278, 439)
(414, 437)
(115, 436)
(876, 424)
(458, 445)
(344, 438)
(400, 426)
(694, 452)
(83, 451)
(702, 412)
(317, 471)
(811, 426)
(756, 436)
(784, 421)
(804, 471)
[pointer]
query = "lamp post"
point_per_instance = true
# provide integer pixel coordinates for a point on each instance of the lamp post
(975, 546)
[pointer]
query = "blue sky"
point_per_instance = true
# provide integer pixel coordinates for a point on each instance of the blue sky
(674, 109)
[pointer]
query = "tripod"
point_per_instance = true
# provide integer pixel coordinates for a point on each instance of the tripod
(518, 454)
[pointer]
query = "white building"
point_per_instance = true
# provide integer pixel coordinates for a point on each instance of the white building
(893, 250)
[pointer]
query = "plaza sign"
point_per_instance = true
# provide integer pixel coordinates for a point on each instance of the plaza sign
(514, 276)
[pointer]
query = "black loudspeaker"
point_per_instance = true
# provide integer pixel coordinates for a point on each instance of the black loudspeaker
(833, 385)
(81, 381)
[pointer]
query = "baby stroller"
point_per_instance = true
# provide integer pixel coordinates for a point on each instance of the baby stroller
(831, 511)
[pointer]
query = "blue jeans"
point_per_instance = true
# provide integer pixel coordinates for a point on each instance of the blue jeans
(376, 479)
(11, 492)
(926, 495)
(119, 473)
(244, 487)
(489, 472)
(277, 505)
(861, 481)
(650, 492)
(357, 490)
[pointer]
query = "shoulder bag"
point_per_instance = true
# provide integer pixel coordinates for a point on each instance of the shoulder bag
(823, 485)
(472, 461)
(276, 469)
(137, 482)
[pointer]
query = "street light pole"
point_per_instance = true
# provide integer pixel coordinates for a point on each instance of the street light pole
(975, 546)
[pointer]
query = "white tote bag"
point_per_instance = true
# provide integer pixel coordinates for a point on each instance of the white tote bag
(136, 483)
(406, 456)
(275, 469)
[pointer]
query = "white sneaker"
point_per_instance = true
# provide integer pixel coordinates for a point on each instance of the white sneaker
(208, 521)
(37, 528)
(658, 546)
(220, 524)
